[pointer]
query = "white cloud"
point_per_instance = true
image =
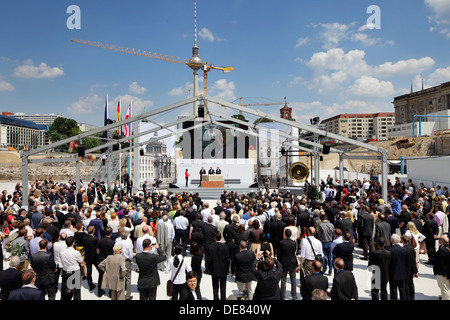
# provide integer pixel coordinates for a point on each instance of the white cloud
(295, 81)
(333, 68)
(207, 34)
(440, 17)
(185, 90)
(6, 86)
(43, 71)
(334, 33)
(404, 67)
(367, 86)
(302, 41)
(223, 89)
(138, 105)
(439, 76)
(85, 105)
(441, 9)
(135, 88)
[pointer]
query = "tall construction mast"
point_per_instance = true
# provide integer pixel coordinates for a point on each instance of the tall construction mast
(195, 63)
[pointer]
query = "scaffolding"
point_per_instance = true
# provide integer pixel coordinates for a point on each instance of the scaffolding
(317, 148)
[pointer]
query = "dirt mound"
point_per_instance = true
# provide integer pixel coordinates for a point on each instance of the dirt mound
(10, 157)
(396, 147)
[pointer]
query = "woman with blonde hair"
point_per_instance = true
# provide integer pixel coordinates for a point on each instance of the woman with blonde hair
(418, 237)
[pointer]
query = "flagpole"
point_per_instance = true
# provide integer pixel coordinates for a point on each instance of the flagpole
(129, 134)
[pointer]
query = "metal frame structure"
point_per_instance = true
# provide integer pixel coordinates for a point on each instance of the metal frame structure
(211, 115)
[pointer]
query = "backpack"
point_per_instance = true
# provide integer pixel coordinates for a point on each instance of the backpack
(16, 250)
(8, 244)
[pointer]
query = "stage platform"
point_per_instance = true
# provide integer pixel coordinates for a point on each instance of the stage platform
(213, 193)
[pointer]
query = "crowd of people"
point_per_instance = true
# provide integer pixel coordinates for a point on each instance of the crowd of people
(54, 239)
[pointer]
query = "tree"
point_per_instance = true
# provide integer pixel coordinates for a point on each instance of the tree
(239, 117)
(63, 128)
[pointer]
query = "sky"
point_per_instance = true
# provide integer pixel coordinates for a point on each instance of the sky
(325, 57)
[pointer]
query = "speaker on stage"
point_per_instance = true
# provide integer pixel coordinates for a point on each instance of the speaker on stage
(81, 152)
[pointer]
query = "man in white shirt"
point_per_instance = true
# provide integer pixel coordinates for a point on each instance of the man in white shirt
(71, 260)
(206, 212)
(128, 254)
(57, 248)
(146, 235)
(220, 225)
(181, 224)
(310, 248)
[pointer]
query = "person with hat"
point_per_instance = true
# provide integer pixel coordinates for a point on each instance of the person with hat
(114, 269)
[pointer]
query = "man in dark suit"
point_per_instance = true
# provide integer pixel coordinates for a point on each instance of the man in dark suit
(98, 224)
(287, 256)
(90, 255)
(202, 172)
(211, 170)
(147, 263)
(10, 278)
(276, 232)
(381, 258)
(344, 224)
(344, 251)
(220, 265)
(79, 199)
(191, 291)
(268, 278)
(218, 171)
(344, 285)
(430, 231)
(43, 263)
(411, 268)
(105, 248)
(441, 267)
(314, 281)
(28, 291)
(397, 268)
(209, 231)
(366, 225)
(244, 261)
(382, 229)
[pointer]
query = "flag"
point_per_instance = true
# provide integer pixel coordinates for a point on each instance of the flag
(118, 118)
(105, 134)
(127, 127)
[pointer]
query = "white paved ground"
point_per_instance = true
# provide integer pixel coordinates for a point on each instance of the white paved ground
(425, 284)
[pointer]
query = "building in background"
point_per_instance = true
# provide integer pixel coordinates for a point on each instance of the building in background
(360, 126)
(85, 127)
(411, 109)
(21, 134)
(156, 163)
(45, 119)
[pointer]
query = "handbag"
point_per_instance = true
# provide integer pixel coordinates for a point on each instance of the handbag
(169, 285)
(318, 257)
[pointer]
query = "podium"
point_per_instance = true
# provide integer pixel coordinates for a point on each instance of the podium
(212, 181)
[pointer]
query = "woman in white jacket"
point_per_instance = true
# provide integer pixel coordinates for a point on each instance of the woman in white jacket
(418, 237)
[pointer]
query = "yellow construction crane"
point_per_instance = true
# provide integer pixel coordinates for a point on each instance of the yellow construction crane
(260, 103)
(205, 66)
